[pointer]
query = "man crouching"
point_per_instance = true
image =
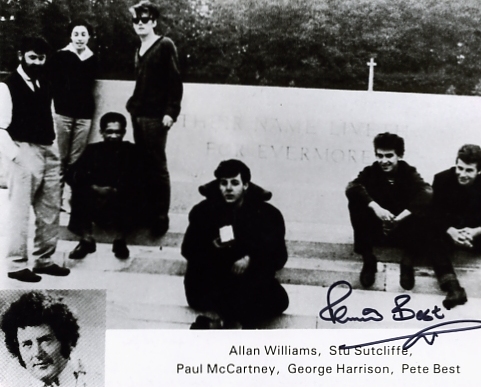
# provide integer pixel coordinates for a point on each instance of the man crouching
(234, 245)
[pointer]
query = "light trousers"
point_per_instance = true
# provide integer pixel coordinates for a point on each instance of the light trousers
(33, 180)
(72, 136)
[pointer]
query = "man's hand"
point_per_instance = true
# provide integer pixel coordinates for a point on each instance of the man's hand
(222, 245)
(389, 225)
(459, 237)
(241, 265)
(167, 121)
(383, 214)
(470, 233)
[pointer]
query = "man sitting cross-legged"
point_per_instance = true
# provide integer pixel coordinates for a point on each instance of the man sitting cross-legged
(234, 245)
(106, 188)
(387, 203)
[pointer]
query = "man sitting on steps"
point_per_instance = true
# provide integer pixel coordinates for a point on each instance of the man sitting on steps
(387, 204)
(234, 245)
(456, 218)
(106, 187)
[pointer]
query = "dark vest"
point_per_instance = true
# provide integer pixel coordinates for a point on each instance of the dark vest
(31, 115)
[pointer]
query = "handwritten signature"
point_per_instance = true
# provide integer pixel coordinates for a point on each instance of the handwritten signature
(337, 313)
(428, 334)
(399, 312)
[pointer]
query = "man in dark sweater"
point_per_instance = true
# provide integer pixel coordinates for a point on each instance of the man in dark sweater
(154, 107)
(234, 245)
(73, 70)
(456, 215)
(387, 203)
(106, 187)
(27, 143)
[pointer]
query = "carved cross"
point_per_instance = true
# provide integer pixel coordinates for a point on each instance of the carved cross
(371, 65)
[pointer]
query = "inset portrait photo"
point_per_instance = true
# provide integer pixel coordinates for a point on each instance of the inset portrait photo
(52, 338)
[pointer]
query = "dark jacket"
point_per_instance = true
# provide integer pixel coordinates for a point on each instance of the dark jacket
(105, 165)
(73, 82)
(258, 227)
(409, 191)
(158, 89)
(455, 205)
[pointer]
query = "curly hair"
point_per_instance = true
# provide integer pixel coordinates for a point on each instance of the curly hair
(470, 154)
(389, 141)
(35, 309)
(110, 117)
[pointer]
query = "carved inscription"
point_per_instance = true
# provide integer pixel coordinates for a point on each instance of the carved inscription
(281, 152)
(286, 126)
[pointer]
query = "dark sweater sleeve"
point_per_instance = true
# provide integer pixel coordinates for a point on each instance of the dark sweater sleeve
(421, 193)
(198, 244)
(132, 174)
(175, 83)
(80, 173)
(440, 214)
(356, 191)
(268, 252)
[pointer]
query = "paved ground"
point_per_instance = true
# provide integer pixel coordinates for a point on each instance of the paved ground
(146, 291)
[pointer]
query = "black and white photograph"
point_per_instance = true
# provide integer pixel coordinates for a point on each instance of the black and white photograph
(301, 177)
(52, 338)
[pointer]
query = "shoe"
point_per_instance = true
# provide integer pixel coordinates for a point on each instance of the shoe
(204, 322)
(24, 275)
(82, 249)
(406, 278)
(159, 227)
(456, 295)
(53, 269)
(368, 272)
(445, 280)
(120, 249)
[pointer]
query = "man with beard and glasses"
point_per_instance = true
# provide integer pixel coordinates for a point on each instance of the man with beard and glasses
(27, 143)
(106, 188)
(388, 203)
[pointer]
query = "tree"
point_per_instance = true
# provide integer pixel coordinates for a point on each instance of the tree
(419, 45)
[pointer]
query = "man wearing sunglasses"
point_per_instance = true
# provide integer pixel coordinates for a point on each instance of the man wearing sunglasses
(154, 107)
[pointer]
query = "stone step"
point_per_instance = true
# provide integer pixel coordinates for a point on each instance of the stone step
(297, 271)
(146, 301)
(295, 248)
(146, 291)
(302, 240)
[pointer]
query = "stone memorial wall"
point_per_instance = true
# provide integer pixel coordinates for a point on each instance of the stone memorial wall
(305, 145)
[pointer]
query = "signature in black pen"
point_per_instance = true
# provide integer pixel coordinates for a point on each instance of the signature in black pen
(429, 334)
(335, 312)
